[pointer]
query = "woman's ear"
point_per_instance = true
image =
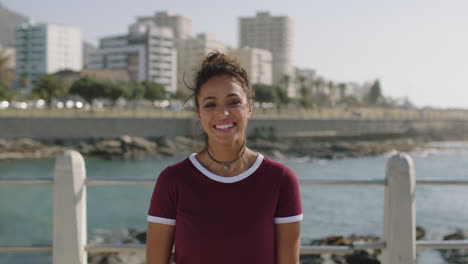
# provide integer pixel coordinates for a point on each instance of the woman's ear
(249, 114)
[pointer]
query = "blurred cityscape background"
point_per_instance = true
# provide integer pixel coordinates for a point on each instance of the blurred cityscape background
(340, 87)
(45, 65)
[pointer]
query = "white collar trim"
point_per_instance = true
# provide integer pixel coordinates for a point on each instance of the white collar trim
(223, 179)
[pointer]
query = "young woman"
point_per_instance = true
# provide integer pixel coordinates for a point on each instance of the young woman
(227, 203)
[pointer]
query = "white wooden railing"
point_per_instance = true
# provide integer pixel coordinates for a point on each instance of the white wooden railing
(70, 246)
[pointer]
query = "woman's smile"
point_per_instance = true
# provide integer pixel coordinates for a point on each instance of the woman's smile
(224, 127)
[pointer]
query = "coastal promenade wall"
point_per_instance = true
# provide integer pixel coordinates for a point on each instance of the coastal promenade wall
(47, 128)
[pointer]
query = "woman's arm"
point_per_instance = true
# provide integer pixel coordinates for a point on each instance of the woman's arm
(159, 241)
(288, 243)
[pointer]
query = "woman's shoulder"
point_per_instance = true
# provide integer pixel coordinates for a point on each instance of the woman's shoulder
(276, 167)
(176, 168)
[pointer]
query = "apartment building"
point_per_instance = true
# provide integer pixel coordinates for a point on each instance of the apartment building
(273, 33)
(191, 51)
(180, 25)
(147, 52)
(43, 48)
(256, 62)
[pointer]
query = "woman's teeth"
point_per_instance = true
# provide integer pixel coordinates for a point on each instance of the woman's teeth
(226, 126)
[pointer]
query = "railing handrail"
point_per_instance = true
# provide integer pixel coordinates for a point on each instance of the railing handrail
(398, 238)
(152, 181)
(110, 248)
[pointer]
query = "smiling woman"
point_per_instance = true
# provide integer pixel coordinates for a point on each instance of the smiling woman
(228, 203)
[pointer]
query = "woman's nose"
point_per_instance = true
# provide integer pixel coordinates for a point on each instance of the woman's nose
(222, 110)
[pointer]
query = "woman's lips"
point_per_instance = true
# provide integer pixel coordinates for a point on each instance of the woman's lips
(224, 127)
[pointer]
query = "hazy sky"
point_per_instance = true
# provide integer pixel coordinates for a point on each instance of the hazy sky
(417, 48)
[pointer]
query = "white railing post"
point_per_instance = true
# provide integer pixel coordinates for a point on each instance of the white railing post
(399, 229)
(69, 222)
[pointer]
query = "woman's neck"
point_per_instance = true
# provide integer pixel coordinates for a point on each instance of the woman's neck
(226, 153)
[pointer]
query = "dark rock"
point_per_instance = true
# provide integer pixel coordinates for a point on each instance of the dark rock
(108, 148)
(26, 144)
(455, 256)
(5, 144)
(420, 233)
(131, 143)
(357, 257)
(125, 236)
(166, 142)
(311, 259)
(141, 237)
(458, 235)
(336, 241)
(361, 257)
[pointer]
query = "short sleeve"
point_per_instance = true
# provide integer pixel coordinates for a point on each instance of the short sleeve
(289, 208)
(163, 205)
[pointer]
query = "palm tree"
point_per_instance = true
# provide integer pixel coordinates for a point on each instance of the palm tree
(285, 79)
(49, 86)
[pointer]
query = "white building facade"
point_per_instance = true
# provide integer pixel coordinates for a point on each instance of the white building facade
(10, 53)
(191, 52)
(147, 52)
(273, 33)
(43, 48)
(180, 25)
(257, 63)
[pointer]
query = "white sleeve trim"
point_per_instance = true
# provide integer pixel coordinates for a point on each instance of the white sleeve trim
(160, 220)
(289, 219)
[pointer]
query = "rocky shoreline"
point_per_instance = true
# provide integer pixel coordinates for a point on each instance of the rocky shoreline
(367, 256)
(127, 147)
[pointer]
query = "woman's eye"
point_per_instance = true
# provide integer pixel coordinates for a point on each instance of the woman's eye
(235, 102)
(211, 105)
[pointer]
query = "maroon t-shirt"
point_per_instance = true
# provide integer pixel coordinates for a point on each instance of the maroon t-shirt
(225, 219)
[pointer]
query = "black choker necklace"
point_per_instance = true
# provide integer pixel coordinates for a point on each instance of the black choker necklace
(226, 163)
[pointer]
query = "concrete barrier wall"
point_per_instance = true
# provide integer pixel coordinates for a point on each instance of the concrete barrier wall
(64, 128)
(68, 128)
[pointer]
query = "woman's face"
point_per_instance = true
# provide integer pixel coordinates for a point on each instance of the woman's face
(223, 110)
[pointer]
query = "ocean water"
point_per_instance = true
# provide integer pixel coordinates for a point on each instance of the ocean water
(26, 211)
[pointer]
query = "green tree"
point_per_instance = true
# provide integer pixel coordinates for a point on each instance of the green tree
(137, 91)
(116, 90)
(283, 97)
(89, 88)
(285, 79)
(350, 101)
(342, 87)
(49, 86)
(154, 91)
(5, 93)
(306, 93)
(24, 82)
(375, 93)
(265, 93)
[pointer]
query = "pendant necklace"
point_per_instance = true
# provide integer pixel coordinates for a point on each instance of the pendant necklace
(226, 163)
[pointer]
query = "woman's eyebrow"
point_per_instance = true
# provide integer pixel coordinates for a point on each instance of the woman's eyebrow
(208, 97)
(213, 97)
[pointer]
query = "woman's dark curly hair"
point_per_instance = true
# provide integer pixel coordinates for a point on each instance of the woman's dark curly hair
(217, 64)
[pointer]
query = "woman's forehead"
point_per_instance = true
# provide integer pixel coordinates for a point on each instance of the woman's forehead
(221, 86)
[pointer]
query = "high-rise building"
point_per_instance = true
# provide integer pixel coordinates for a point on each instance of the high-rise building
(273, 33)
(43, 48)
(191, 51)
(9, 19)
(182, 26)
(256, 62)
(147, 52)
